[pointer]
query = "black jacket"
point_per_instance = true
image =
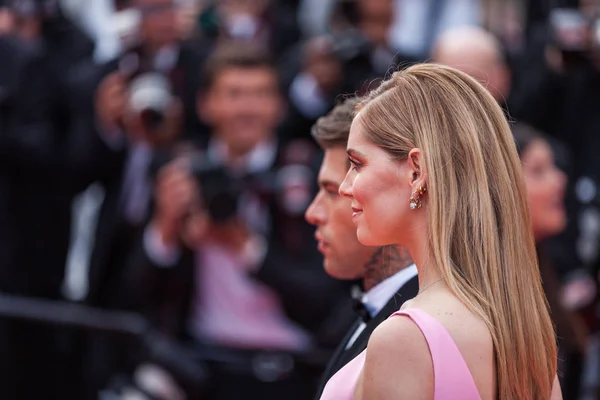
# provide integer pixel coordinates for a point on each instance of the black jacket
(342, 356)
(36, 184)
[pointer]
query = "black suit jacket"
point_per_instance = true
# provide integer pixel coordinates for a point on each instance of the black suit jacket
(342, 356)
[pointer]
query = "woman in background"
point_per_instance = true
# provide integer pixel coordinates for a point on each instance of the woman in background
(545, 185)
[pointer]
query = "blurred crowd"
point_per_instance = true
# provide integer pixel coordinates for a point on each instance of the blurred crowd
(156, 163)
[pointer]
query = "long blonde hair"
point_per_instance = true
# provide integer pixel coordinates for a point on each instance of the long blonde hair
(480, 233)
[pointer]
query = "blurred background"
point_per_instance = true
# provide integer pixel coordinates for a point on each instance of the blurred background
(156, 162)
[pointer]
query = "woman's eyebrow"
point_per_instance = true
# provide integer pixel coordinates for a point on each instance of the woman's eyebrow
(354, 153)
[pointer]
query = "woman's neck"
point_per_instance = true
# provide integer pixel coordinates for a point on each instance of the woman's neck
(428, 273)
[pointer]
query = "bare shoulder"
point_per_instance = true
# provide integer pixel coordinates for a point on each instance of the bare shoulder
(470, 335)
(397, 363)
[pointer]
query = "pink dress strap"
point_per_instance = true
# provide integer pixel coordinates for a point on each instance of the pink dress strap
(452, 378)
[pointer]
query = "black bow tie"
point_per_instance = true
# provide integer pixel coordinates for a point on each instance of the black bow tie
(358, 305)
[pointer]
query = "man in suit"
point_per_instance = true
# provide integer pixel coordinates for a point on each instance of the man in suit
(388, 274)
(115, 145)
(237, 275)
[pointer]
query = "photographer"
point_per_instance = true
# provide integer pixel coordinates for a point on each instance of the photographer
(130, 108)
(226, 261)
(351, 59)
(140, 102)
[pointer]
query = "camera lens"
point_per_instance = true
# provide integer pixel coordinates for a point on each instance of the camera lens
(152, 119)
(150, 96)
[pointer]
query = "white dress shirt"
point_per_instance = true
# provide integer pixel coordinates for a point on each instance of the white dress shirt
(379, 295)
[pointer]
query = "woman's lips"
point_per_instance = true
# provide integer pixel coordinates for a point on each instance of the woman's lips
(356, 212)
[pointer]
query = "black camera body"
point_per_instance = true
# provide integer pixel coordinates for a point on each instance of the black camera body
(289, 187)
(350, 45)
(222, 191)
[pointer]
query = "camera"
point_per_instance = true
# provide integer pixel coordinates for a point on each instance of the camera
(222, 191)
(150, 95)
(289, 188)
(150, 92)
(575, 34)
(219, 189)
(350, 46)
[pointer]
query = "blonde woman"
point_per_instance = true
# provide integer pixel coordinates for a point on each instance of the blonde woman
(434, 168)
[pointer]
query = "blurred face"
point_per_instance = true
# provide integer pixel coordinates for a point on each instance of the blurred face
(376, 17)
(243, 106)
(7, 21)
(545, 190)
(159, 22)
(589, 7)
(378, 194)
(344, 256)
(247, 7)
(481, 63)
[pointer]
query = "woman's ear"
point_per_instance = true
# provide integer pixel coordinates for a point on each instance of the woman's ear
(418, 176)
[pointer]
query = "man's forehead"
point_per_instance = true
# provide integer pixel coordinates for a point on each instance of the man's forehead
(334, 165)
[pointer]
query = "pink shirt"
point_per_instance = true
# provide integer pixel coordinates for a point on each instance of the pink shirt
(235, 310)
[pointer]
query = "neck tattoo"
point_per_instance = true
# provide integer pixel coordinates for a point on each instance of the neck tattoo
(385, 262)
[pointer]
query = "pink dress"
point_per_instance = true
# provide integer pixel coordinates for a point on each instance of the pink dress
(452, 378)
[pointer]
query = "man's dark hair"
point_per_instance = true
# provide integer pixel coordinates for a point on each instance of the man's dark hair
(333, 129)
(234, 55)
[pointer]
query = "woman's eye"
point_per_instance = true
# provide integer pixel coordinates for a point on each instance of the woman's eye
(355, 166)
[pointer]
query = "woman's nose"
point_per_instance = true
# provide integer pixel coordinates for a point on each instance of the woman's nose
(346, 186)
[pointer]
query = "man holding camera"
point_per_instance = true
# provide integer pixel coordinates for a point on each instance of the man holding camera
(143, 101)
(130, 108)
(231, 262)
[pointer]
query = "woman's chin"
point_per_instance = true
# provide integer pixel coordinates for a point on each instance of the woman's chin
(552, 228)
(366, 238)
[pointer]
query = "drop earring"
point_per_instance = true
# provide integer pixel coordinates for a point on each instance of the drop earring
(415, 199)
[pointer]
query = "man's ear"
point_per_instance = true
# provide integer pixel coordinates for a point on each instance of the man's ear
(418, 177)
